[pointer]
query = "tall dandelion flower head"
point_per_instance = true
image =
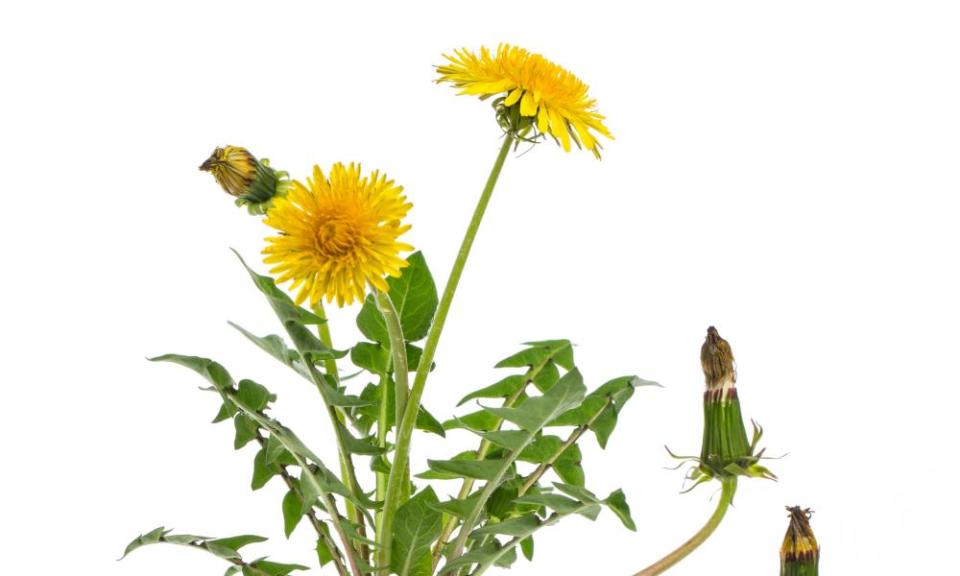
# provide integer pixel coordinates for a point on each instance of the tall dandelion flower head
(534, 95)
(338, 234)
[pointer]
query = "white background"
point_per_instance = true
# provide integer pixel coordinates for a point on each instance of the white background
(785, 171)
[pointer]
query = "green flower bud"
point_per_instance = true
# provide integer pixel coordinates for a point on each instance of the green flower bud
(800, 553)
(726, 449)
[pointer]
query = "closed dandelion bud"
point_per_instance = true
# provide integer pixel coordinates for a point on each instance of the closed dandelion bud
(800, 553)
(726, 450)
(253, 182)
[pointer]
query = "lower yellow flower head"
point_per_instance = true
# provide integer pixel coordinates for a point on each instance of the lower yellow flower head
(532, 88)
(338, 233)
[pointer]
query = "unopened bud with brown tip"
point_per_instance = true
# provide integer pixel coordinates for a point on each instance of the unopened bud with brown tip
(253, 182)
(800, 553)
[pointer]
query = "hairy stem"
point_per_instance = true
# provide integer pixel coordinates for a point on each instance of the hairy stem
(405, 427)
(665, 563)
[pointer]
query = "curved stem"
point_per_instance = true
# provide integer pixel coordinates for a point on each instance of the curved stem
(665, 563)
(405, 426)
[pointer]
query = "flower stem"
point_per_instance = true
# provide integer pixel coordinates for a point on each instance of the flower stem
(398, 351)
(398, 471)
(347, 470)
(665, 563)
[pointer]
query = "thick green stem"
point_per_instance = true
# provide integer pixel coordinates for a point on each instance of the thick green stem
(398, 470)
(401, 375)
(665, 563)
(398, 351)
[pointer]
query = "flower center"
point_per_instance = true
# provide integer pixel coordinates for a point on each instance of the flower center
(336, 237)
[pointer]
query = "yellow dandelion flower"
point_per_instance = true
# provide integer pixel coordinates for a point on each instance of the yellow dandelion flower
(535, 94)
(338, 234)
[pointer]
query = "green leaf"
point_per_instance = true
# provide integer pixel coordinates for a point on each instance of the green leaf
(536, 353)
(456, 507)
(526, 546)
(414, 295)
(274, 568)
(238, 542)
(541, 449)
(476, 469)
(534, 413)
(151, 537)
(373, 358)
(273, 450)
(227, 410)
(428, 423)
(363, 446)
(502, 389)
(417, 526)
(568, 466)
(578, 492)
(246, 430)
(480, 420)
(262, 472)
(324, 554)
(556, 502)
(292, 512)
(509, 439)
(487, 551)
(213, 372)
(617, 503)
(272, 345)
(601, 407)
(518, 526)
(254, 396)
(547, 376)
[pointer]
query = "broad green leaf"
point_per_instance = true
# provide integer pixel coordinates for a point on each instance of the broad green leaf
(502, 389)
(262, 472)
(414, 295)
(526, 546)
(273, 450)
(227, 410)
(373, 358)
(476, 469)
(568, 467)
(547, 376)
(254, 396)
(324, 554)
(417, 526)
(600, 408)
(487, 551)
(246, 430)
(537, 411)
(541, 449)
(292, 512)
(428, 423)
(617, 503)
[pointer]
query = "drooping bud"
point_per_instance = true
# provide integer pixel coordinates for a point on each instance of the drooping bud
(800, 553)
(726, 449)
(253, 182)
